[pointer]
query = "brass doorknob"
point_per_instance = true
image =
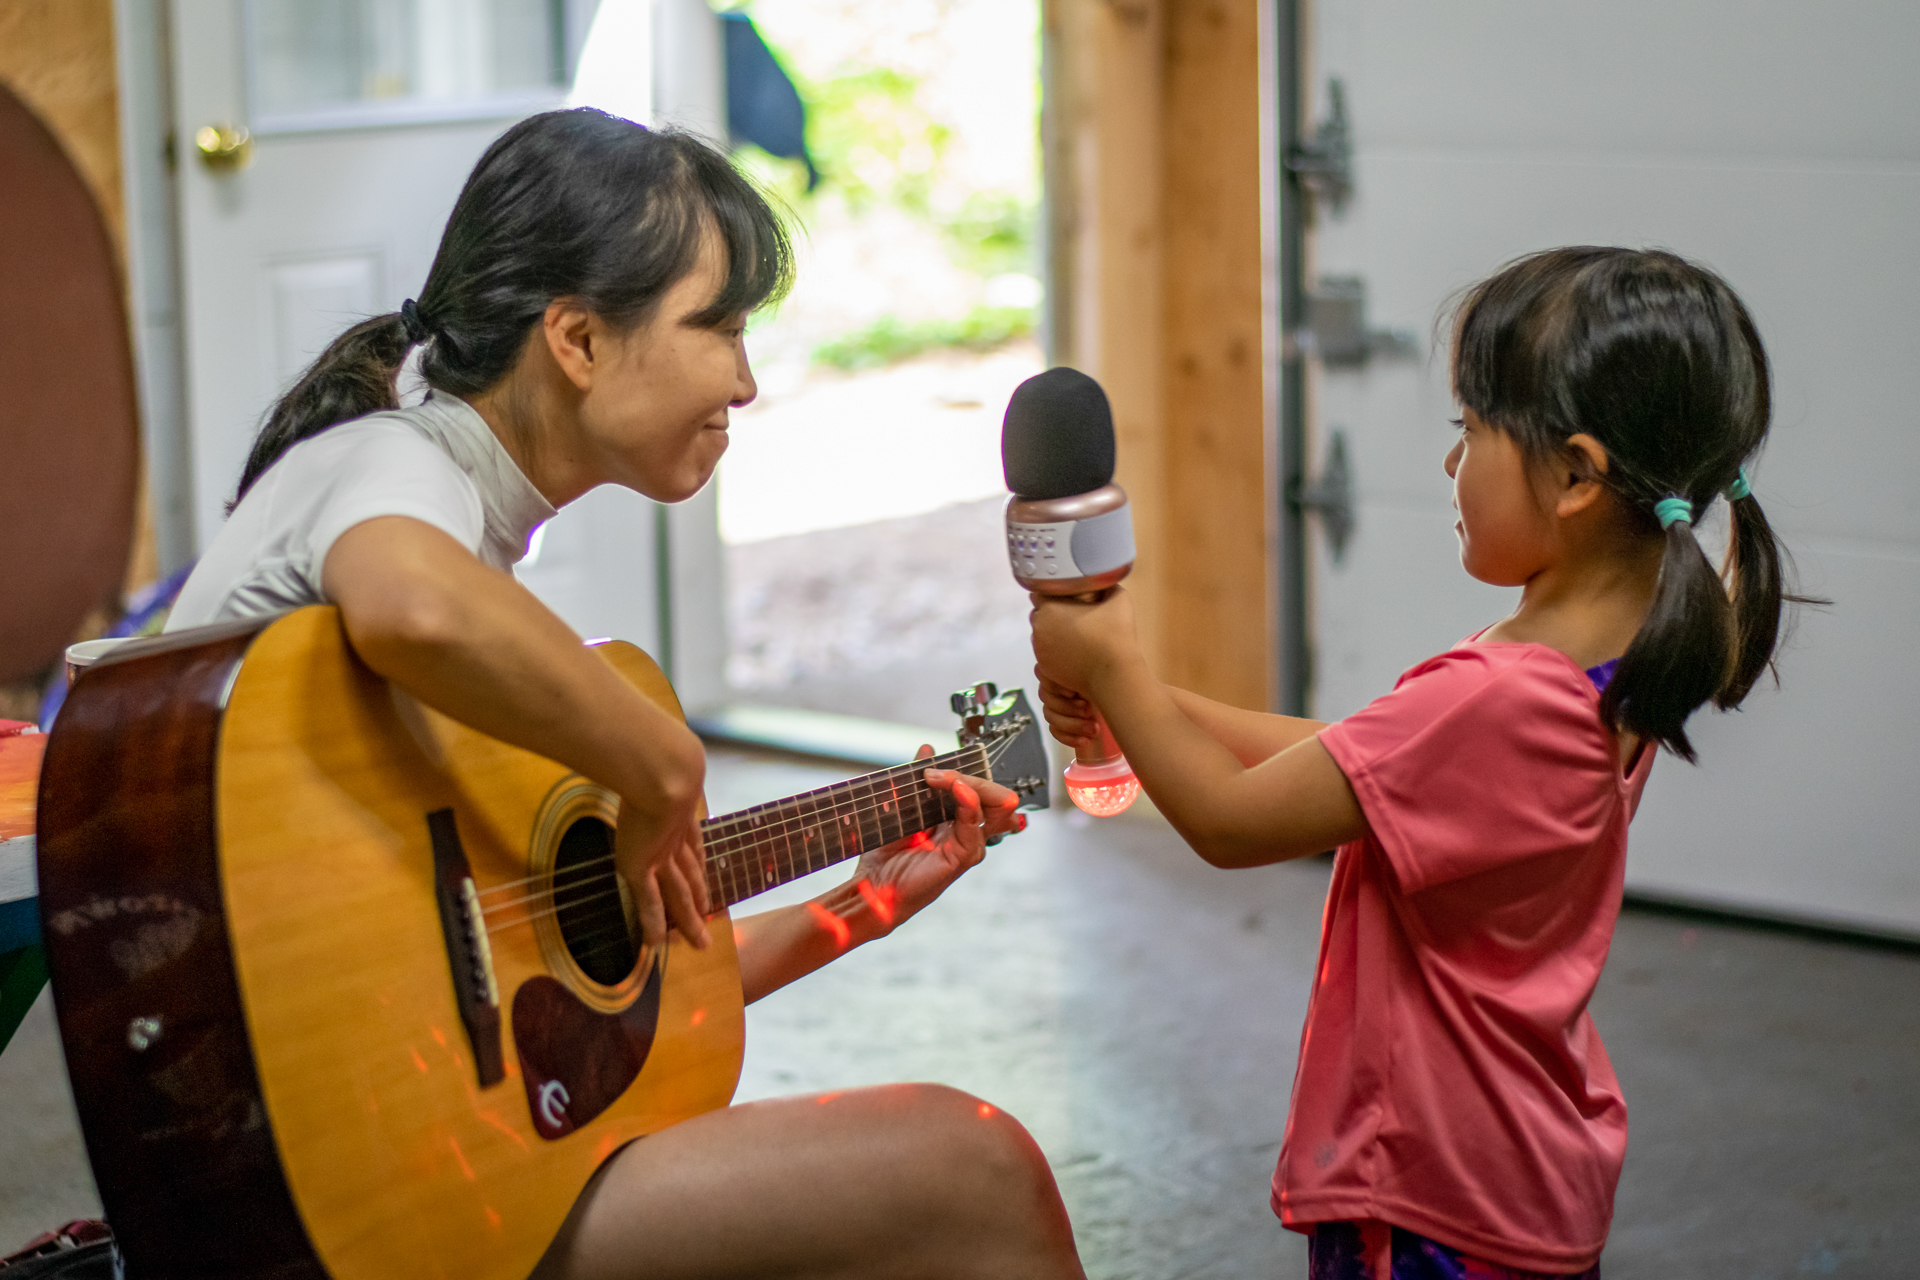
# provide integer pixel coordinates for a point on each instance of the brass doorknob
(224, 148)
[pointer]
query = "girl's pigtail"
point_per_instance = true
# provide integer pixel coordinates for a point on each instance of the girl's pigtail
(1684, 652)
(1757, 585)
(353, 377)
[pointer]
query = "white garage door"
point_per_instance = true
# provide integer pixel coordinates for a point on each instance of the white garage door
(1778, 142)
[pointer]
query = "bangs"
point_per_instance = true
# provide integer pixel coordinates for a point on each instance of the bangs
(1510, 335)
(753, 232)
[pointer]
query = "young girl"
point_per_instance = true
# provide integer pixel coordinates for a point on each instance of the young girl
(582, 326)
(1454, 1113)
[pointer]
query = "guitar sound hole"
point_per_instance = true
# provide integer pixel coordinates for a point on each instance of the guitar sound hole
(590, 903)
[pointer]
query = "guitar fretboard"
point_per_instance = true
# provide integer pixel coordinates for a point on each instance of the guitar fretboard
(757, 849)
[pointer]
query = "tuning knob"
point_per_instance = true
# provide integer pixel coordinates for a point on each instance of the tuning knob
(224, 148)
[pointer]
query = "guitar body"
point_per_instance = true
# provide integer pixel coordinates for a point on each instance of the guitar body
(291, 1055)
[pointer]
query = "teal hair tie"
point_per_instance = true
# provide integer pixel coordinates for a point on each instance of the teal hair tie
(1740, 488)
(1673, 511)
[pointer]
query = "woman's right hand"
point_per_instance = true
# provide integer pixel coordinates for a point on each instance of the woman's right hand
(664, 865)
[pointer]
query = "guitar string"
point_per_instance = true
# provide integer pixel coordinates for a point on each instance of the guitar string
(585, 872)
(764, 835)
(710, 828)
(606, 930)
(590, 867)
(619, 931)
(572, 903)
(580, 901)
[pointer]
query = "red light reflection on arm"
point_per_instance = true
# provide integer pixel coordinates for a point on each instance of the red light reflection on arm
(881, 901)
(831, 923)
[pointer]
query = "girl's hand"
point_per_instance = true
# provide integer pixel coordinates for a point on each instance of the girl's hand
(1070, 718)
(1076, 642)
(900, 879)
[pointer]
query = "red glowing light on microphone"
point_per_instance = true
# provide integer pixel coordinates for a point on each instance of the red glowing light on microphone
(1102, 789)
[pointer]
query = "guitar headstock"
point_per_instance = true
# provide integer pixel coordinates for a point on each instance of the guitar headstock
(1006, 725)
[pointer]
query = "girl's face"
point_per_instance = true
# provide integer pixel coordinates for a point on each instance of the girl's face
(658, 416)
(1506, 530)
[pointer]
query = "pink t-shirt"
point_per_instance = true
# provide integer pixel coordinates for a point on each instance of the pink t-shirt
(1450, 1080)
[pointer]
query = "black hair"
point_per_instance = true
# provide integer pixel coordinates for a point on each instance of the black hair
(566, 204)
(1658, 360)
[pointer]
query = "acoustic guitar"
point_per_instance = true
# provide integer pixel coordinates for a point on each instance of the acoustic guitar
(348, 989)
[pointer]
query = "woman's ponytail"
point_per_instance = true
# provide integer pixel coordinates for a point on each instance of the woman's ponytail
(1685, 651)
(352, 378)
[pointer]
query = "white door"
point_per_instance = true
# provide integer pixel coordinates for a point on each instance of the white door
(366, 118)
(1778, 142)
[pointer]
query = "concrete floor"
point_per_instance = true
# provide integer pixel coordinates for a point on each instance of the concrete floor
(1139, 1012)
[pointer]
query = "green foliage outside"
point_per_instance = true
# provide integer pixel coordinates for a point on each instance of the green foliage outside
(875, 144)
(890, 339)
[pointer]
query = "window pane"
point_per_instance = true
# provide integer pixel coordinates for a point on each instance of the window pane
(377, 59)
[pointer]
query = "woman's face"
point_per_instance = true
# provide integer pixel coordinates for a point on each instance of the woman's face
(1506, 532)
(657, 418)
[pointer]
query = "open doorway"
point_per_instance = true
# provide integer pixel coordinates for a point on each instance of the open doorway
(860, 502)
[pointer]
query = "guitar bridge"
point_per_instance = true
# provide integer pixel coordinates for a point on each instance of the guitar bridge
(469, 955)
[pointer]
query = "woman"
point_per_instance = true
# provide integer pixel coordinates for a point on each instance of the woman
(581, 326)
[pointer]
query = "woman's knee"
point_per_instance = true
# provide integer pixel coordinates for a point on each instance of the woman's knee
(980, 1154)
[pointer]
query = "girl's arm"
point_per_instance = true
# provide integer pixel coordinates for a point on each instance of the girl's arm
(472, 643)
(1252, 736)
(1234, 814)
(890, 887)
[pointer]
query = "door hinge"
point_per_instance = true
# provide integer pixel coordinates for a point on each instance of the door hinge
(1330, 497)
(1336, 328)
(1323, 164)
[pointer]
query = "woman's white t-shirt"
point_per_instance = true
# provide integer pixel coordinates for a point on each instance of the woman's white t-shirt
(438, 462)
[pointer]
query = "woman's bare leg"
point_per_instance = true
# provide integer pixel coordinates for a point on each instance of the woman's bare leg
(898, 1181)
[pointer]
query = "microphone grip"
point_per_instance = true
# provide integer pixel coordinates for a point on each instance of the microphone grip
(1103, 747)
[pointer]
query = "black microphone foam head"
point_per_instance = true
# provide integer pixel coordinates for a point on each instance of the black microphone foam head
(1057, 439)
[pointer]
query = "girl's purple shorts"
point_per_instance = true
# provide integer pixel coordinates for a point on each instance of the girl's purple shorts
(1336, 1252)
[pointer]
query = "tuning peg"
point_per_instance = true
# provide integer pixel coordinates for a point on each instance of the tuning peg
(975, 699)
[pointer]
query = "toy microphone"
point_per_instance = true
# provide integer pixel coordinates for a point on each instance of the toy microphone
(1070, 533)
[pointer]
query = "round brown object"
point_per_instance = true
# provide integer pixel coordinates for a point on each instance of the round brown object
(69, 431)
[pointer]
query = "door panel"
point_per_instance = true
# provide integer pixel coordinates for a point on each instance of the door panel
(1685, 79)
(1781, 148)
(309, 302)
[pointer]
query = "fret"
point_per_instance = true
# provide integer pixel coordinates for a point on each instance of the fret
(893, 823)
(780, 846)
(813, 824)
(926, 807)
(866, 814)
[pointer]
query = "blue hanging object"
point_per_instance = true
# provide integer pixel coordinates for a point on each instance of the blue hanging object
(763, 107)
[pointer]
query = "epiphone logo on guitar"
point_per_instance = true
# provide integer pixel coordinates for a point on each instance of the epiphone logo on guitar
(553, 1104)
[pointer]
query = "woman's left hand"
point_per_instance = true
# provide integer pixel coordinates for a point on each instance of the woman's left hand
(898, 880)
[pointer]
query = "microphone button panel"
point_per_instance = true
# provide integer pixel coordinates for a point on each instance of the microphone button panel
(1042, 550)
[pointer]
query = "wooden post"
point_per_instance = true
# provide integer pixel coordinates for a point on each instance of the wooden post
(1153, 152)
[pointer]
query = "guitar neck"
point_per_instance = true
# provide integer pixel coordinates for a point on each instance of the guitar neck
(757, 849)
